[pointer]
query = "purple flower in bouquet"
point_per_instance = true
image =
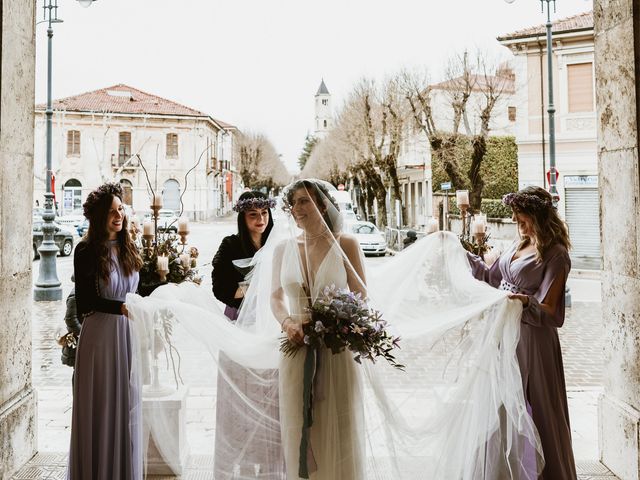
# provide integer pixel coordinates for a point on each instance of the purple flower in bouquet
(342, 320)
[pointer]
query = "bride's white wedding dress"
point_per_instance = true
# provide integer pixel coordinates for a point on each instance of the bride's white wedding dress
(337, 434)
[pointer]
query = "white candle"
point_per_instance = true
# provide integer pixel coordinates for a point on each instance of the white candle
(163, 263)
(183, 225)
(185, 259)
(147, 228)
(479, 224)
(157, 200)
(462, 198)
(432, 225)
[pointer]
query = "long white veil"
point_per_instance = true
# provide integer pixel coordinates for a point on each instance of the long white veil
(456, 412)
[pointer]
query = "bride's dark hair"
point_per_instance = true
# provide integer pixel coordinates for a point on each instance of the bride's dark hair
(319, 192)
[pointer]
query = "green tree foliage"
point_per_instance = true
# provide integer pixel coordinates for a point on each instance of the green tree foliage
(499, 168)
(309, 145)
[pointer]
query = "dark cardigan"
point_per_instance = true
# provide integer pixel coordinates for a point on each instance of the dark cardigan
(88, 300)
(224, 276)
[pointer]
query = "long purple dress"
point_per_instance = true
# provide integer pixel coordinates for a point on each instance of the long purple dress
(538, 351)
(104, 437)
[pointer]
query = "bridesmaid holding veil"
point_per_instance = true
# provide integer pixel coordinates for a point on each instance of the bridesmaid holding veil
(535, 271)
(241, 449)
(105, 433)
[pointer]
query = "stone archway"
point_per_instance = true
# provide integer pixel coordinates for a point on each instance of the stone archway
(617, 50)
(18, 436)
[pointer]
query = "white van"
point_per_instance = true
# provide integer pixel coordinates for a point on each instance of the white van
(343, 198)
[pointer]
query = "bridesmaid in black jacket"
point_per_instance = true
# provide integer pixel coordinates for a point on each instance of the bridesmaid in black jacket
(235, 422)
(254, 225)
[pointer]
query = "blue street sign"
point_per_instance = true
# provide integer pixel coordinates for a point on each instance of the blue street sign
(445, 186)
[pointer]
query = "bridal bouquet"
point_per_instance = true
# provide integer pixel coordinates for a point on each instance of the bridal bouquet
(341, 319)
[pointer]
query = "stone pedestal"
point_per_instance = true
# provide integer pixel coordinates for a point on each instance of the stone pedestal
(173, 408)
(17, 398)
(617, 56)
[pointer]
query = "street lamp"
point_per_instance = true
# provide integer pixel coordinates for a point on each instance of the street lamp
(551, 110)
(48, 287)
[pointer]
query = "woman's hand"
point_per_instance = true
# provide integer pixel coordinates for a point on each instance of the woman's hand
(294, 331)
(123, 310)
(239, 293)
(523, 298)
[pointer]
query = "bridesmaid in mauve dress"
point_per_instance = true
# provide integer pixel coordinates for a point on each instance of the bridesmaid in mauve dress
(535, 271)
(105, 436)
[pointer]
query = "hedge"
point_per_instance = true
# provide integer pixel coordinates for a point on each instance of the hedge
(490, 207)
(499, 168)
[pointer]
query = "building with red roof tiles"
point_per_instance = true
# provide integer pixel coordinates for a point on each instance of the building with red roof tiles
(114, 133)
(575, 119)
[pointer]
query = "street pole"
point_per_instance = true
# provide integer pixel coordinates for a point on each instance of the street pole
(551, 110)
(48, 287)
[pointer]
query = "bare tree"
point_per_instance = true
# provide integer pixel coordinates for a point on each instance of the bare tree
(259, 163)
(484, 80)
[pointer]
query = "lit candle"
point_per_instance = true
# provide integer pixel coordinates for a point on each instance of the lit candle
(462, 198)
(185, 259)
(432, 225)
(163, 263)
(147, 228)
(157, 200)
(183, 225)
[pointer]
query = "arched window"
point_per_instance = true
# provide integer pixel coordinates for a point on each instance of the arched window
(325, 124)
(72, 197)
(171, 195)
(127, 191)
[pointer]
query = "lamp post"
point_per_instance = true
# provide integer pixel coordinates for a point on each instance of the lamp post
(48, 287)
(551, 109)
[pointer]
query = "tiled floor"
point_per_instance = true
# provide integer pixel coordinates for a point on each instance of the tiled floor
(45, 466)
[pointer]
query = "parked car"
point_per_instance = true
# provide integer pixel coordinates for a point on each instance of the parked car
(72, 221)
(61, 236)
(371, 240)
(83, 227)
(167, 220)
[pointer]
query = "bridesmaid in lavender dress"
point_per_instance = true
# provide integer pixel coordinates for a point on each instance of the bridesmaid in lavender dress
(105, 435)
(535, 271)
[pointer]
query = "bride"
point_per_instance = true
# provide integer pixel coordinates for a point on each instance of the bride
(458, 412)
(320, 256)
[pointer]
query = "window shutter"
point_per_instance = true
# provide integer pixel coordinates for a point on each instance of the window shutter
(580, 83)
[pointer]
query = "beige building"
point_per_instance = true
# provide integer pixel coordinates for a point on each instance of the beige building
(575, 119)
(111, 133)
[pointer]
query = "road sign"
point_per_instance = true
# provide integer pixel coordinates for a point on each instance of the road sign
(445, 186)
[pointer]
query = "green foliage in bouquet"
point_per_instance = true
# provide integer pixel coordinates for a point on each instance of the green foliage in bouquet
(342, 320)
(471, 244)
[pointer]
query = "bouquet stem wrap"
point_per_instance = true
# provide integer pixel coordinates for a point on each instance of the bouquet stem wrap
(307, 460)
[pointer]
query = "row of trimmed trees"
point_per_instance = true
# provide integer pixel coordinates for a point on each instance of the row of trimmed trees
(259, 164)
(378, 117)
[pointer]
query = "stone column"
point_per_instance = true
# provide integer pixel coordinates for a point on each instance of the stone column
(17, 85)
(617, 62)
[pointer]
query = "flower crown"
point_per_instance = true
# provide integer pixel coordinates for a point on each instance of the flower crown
(254, 204)
(526, 202)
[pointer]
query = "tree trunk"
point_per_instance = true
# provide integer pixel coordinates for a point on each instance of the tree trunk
(443, 148)
(477, 183)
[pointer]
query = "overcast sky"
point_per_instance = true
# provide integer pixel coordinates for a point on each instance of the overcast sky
(258, 63)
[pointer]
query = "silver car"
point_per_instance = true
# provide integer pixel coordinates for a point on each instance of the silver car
(371, 240)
